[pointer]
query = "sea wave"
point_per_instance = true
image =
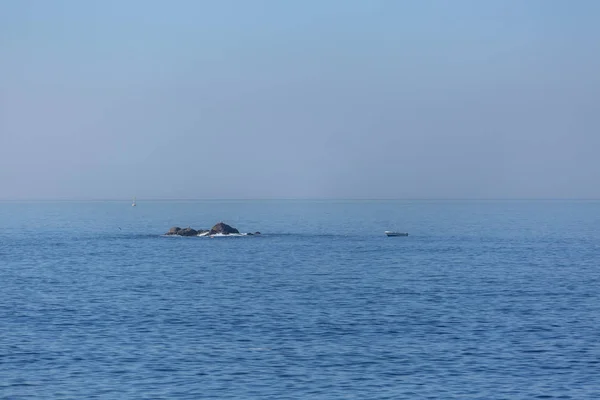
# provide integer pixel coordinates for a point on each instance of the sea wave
(218, 235)
(223, 235)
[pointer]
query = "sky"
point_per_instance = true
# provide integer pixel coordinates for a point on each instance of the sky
(368, 99)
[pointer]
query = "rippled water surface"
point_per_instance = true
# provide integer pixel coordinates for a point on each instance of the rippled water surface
(484, 300)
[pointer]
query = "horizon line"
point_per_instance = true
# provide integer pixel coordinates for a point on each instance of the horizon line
(154, 199)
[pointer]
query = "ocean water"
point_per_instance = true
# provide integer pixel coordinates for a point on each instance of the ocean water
(484, 300)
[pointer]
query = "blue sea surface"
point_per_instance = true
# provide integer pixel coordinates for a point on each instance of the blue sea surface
(484, 300)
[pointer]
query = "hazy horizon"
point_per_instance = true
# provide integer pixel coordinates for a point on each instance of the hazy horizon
(299, 100)
(305, 199)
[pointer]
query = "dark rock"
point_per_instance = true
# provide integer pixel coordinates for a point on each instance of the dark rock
(187, 232)
(223, 228)
(249, 234)
(182, 232)
(220, 228)
(173, 230)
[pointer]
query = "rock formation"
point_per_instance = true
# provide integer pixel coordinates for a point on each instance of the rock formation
(173, 230)
(221, 229)
(182, 232)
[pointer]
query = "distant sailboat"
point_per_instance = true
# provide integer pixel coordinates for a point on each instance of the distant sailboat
(133, 204)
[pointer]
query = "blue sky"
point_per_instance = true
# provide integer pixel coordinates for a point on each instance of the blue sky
(299, 99)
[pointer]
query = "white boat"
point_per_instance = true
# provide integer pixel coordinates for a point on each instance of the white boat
(133, 204)
(390, 233)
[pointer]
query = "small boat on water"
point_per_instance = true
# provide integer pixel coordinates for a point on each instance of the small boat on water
(390, 233)
(133, 204)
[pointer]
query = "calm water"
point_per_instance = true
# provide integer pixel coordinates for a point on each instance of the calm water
(485, 300)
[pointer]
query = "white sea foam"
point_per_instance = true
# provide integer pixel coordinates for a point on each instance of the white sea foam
(205, 234)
